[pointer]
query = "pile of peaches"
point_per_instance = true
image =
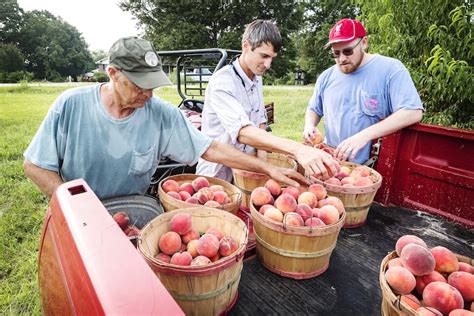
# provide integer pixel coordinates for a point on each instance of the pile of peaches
(199, 191)
(184, 246)
(431, 281)
(123, 220)
(359, 176)
(289, 205)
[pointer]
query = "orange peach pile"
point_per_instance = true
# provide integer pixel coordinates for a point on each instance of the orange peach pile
(185, 246)
(199, 191)
(359, 176)
(431, 281)
(289, 205)
(123, 220)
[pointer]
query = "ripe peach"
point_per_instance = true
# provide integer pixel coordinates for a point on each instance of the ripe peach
(122, 219)
(220, 197)
(163, 257)
(428, 311)
(466, 267)
(461, 312)
(192, 200)
(214, 204)
(216, 257)
(333, 181)
(261, 196)
(184, 195)
(348, 185)
(314, 212)
(183, 247)
(314, 221)
(190, 235)
(132, 231)
(188, 187)
(363, 182)
(442, 296)
(395, 262)
(417, 259)
(336, 202)
(400, 280)
(464, 283)
(169, 243)
(356, 174)
(217, 188)
(293, 219)
(347, 180)
(274, 214)
(318, 190)
(227, 246)
(181, 223)
(286, 203)
(411, 301)
(364, 170)
(263, 208)
(200, 261)
(408, 239)
(192, 248)
(423, 280)
(170, 186)
(181, 258)
(204, 195)
(446, 260)
(291, 191)
(208, 245)
(343, 172)
(199, 183)
(328, 214)
(273, 186)
(304, 210)
(317, 139)
(308, 198)
(216, 232)
(174, 195)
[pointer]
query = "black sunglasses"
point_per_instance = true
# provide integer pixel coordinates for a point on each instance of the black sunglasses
(346, 51)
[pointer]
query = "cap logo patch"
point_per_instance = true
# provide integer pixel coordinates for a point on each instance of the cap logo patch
(338, 29)
(151, 59)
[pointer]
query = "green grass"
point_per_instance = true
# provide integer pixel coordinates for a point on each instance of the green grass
(22, 206)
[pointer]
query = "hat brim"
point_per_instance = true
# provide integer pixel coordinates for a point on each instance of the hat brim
(339, 41)
(148, 80)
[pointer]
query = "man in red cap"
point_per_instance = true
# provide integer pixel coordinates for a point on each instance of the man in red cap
(362, 97)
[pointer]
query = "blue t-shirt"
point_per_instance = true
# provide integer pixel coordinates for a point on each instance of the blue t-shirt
(80, 139)
(355, 101)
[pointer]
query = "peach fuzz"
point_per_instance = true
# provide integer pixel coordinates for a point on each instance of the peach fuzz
(200, 261)
(184, 195)
(274, 214)
(464, 283)
(217, 188)
(347, 180)
(192, 200)
(199, 183)
(181, 258)
(273, 186)
(190, 235)
(227, 246)
(286, 203)
(446, 260)
(181, 223)
(328, 214)
(364, 170)
(408, 239)
(192, 248)
(411, 300)
(400, 280)
(428, 311)
(293, 219)
(424, 280)
(314, 222)
(466, 267)
(363, 182)
(188, 187)
(263, 208)
(442, 296)
(261, 196)
(461, 312)
(208, 245)
(318, 190)
(304, 210)
(291, 191)
(417, 259)
(169, 243)
(395, 262)
(333, 181)
(213, 204)
(336, 202)
(163, 257)
(308, 198)
(170, 186)
(216, 232)
(356, 174)
(220, 197)
(174, 195)
(344, 172)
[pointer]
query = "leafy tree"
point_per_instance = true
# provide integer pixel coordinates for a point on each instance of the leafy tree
(10, 20)
(11, 58)
(215, 23)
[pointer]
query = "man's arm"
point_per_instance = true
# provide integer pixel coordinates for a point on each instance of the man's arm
(233, 158)
(396, 121)
(311, 120)
(47, 181)
(314, 161)
(262, 154)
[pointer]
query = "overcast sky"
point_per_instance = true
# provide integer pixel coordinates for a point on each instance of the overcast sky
(101, 22)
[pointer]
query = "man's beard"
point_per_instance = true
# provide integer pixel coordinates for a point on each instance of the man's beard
(351, 68)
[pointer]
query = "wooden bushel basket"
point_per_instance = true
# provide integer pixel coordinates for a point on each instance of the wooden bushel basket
(199, 290)
(294, 252)
(246, 181)
(169, 203)
(391, 302)
(356, 200)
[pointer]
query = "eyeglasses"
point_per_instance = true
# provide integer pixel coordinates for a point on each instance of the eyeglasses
(348, 51)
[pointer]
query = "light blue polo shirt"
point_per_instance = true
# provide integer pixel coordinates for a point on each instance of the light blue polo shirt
(355, 101)
(80, 139)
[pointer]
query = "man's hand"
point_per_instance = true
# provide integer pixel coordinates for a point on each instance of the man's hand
(286, 175)
(351, 146)
(316, 162)
(310, 133)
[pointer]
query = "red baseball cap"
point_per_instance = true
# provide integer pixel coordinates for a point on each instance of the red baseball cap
(346, 30)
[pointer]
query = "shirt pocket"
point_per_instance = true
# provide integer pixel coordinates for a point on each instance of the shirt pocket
(143, 162)
(373, 104)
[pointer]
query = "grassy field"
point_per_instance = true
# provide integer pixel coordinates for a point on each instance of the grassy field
(22, 206)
